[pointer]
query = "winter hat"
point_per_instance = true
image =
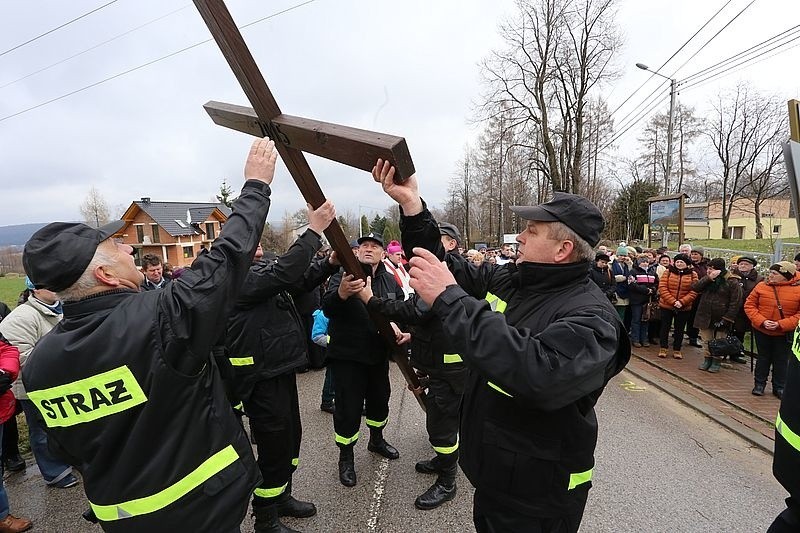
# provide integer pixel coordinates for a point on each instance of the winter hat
(786, 268)
(642, 259)
(29, 284)
(602, 257)
(622, 250)
(394, 247)
(717, 263)
(700, 250)
(631, 250)
(747, 260)
(682, 257)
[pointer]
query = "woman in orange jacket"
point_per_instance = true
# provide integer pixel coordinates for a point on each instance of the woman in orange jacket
(774, 311)
(675, 298)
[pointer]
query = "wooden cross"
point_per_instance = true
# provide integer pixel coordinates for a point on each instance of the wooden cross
(293, 136)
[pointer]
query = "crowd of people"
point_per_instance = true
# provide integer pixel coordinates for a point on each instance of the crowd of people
(707, 300)
(512, 349)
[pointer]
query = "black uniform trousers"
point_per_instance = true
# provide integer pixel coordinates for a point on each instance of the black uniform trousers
(359, 385)
(489, 518)
(773, 351)
(789, 520)
(442, 403)
(680, 318)
(274, 414)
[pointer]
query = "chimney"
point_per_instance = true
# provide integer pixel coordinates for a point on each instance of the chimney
(145, 199)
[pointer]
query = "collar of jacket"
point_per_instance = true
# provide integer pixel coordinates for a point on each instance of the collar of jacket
(548, 277)
(96, 302)
(368, 269)
(686, 270)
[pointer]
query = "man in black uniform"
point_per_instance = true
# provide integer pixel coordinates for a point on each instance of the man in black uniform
(359, 358)
(444, 373)
(540, 341)
(786, 462)
(266, 345)
(126, 384)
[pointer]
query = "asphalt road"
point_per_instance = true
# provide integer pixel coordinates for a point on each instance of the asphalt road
(661, 467)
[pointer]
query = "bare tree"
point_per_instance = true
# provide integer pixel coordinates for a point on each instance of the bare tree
(743, 130)
(556, 52)
(94, 209)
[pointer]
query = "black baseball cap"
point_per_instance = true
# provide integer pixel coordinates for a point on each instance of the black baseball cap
(377, 237)
(450, 230)
(576, 212)
(56, 256)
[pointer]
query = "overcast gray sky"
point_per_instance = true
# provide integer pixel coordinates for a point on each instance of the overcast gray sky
(407, 68)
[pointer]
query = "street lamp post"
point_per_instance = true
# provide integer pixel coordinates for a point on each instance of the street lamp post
(672, 92)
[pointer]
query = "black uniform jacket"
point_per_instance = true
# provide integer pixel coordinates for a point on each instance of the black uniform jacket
(540, 342)
(430, 352)
(786, 462)
(130, 395)
(265, 335)
(353, 336)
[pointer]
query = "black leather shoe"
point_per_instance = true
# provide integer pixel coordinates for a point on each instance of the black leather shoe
(778, 393)
(758, 390)
(288, 505)
(347, 473)
(328, 407)
(14, 463)
(738, 359)
(435, 496)
(385, 449)
(267, 521)
(695, 343)
(428, 466)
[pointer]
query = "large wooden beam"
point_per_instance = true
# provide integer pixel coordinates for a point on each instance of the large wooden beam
(230, 41)
(353, 147)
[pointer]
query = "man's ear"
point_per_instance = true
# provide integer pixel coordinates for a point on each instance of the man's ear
(564, 251)
(104, 275)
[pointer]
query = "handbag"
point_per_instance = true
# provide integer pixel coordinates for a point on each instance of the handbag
(646, 310)
(730, 346)
(655, 310)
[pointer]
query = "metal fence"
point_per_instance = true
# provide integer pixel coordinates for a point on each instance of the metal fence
(784, 251)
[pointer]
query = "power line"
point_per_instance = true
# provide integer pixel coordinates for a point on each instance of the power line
(659, 100)
(672, 56)
(48, 32)
(139, 67)
(749, 51)
(98, 45)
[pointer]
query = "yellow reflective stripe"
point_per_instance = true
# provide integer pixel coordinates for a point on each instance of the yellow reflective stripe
(345, 440)
(375, 423)
(498, 389)
(796, 343)
(239, 406)
(242, 361)
(580, 478)
(452, 358)
(150, 504)
(495, 303)
(88, 399)
(270, 493)
(328, 339)
(295, 461)
(446, 450)
(786, 432)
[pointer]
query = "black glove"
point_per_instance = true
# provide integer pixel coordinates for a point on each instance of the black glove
(5, 382)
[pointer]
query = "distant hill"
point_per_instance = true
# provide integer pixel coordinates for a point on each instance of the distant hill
(19, 234)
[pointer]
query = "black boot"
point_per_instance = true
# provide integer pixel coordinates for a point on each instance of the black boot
(429, 466)
(378, 444)
(758, 390)
(288, 505)
(267, 520)
(347, 467)
(440, 492)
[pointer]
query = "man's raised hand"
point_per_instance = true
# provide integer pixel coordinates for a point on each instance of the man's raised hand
(406, 194)
(429, 276)
(320, 218)
(349, 286)
(260, 164)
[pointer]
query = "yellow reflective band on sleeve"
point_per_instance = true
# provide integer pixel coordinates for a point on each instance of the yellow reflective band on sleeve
(446, 450)
(498, 389)
(270, 493)
(786, 432)
(239, 406)
(328, 337)
(88, 399)
(242, 361)
(375, 423)
(295, 461)
(150, 504)
(796, 343)
(495, 303)
(345, 440)
(452, 358)
(580, 478)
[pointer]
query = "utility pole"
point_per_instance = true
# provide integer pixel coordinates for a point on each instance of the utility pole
(673, 84)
